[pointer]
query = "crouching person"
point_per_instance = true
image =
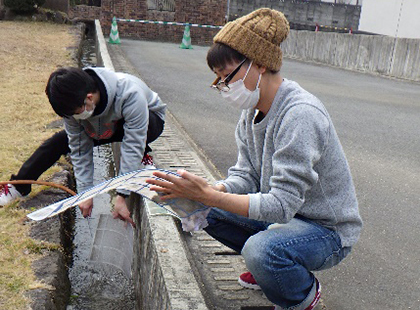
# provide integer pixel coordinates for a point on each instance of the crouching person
(289, 204)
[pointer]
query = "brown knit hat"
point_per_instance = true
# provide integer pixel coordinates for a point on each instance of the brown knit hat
(257, 36)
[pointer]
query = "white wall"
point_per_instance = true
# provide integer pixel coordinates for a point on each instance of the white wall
(383, 17)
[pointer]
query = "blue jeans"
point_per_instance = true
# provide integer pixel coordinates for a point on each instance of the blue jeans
(280, 258)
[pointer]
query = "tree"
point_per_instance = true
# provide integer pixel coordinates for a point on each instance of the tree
(23, 6)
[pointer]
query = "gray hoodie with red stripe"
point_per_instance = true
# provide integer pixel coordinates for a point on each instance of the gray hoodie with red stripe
(130, 99)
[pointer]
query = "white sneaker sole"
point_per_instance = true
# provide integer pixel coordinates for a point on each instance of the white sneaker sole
(255, 287)
(10, 197)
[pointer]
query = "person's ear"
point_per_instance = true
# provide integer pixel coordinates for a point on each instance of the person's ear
(90, 96)
(91, 99)
(261, 69)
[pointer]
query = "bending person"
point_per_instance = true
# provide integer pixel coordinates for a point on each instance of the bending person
(99, 106)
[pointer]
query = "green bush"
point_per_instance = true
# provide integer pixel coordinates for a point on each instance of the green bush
(23, 6)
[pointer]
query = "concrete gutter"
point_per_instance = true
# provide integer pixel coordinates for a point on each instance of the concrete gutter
(161, 271)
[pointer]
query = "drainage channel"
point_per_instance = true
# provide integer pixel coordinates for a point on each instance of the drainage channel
(100, 272)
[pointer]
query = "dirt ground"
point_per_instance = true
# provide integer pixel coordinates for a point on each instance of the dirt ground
(29, 52)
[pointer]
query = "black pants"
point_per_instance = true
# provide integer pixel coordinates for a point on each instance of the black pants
(51, 150)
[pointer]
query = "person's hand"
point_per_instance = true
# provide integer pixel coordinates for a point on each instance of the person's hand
(121, 211)
(193, 187)
(86, 207)
(188, 186)
(219, 188)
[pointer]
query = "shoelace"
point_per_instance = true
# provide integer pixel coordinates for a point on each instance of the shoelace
(147, 160)
(4, 189)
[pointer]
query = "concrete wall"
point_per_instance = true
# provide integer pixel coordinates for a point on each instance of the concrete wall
(398, 18)
(368, 53)
(303, 13)
(162, 275)
(151, 291)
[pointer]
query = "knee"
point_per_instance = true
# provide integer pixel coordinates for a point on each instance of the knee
(255, 250)
(260, 252)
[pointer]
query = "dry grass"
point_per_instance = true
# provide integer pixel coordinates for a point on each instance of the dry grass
(29, 52)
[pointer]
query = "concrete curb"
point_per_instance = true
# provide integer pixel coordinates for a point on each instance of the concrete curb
(102, 54)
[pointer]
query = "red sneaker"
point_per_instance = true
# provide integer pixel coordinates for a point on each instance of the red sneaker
(314, 302)
(147, 161)
(247, 280)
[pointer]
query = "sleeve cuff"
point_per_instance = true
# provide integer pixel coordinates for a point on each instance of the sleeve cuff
(254, 206)
(226, 185)
(83, 188)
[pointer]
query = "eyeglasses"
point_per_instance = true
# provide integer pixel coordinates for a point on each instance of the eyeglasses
(222, 85)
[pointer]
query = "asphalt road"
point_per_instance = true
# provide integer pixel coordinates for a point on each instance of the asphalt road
(378, 121)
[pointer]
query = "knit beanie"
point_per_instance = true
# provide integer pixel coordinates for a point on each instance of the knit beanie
(257, 36)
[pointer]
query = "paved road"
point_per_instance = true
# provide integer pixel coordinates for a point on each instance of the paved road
(378, 121)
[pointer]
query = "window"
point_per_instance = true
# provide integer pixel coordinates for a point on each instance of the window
(161, 5)
(86, 2)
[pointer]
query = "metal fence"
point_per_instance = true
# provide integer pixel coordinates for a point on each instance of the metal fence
(161, 5)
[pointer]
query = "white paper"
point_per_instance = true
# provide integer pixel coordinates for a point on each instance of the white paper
(134, 182)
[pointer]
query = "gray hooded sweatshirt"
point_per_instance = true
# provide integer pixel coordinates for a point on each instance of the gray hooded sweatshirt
(292, 162)
(129, 98)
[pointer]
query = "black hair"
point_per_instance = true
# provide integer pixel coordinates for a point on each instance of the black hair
(220, 55)
(67, 89)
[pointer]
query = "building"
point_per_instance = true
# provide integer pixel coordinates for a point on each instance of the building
(331, 15)
(351, 2)
(396, 18)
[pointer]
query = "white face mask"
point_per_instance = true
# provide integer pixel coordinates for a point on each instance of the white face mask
(241, 97)
(85, 114)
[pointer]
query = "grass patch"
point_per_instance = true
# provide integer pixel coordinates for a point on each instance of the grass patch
(29, 52)
(17, 253)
